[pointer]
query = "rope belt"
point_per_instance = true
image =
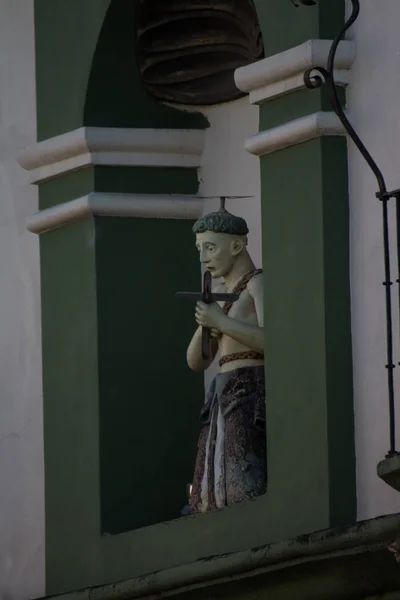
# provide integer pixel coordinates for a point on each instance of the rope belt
(250, 354)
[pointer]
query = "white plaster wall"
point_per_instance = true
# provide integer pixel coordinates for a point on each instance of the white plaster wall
(373, 107)
(21, 452)
(227, 169)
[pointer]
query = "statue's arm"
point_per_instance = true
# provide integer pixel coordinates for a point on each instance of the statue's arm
(194, 355)
(248, 335)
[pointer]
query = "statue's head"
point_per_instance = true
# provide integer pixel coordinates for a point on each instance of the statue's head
(221, 239)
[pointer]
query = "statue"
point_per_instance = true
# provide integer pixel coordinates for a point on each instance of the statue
(231, 458)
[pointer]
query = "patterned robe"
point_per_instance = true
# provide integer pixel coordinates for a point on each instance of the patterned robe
(231, 459)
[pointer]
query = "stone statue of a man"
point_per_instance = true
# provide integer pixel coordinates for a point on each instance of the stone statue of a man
(231, 458)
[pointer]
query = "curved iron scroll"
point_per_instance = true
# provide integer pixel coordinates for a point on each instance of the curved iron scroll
(315, 78)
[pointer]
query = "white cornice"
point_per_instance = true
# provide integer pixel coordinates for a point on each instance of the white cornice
(116, 205)
(295, 132)
(112, 147)
(283, 73)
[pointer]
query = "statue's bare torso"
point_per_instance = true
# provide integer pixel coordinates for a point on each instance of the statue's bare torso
(244, 310)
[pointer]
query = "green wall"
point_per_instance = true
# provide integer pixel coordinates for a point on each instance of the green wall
(149, 399)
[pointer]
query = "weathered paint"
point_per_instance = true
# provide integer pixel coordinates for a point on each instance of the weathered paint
(349, 563)
(307, 305)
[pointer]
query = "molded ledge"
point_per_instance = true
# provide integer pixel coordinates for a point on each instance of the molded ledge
(112, 147)
(333, 563)
(116, 205)
(283, 73)
(295, 132)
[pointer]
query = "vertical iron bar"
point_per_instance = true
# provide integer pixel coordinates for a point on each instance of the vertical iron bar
(315, 77)
(389, 325)
(396, 196)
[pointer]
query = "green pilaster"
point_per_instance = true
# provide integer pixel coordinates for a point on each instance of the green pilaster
(305, 218)
(307, 323)
(284, 26)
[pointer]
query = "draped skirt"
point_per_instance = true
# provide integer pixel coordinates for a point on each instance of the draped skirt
(231, 458)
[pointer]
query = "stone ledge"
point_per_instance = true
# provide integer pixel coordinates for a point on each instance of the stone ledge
(112, 147)
(295, 132)
(116, 205)
(350, 562)
(283, 73)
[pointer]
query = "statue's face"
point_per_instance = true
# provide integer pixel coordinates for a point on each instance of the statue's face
(217, 252)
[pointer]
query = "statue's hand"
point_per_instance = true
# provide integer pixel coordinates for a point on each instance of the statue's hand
(209, 315)
(215, 333)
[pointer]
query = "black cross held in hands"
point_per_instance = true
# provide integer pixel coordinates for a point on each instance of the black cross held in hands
(208, 297)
